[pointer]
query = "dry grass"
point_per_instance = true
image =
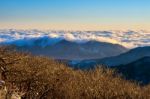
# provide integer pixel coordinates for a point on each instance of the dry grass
(43, 78)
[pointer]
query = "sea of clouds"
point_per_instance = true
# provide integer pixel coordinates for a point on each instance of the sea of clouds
(129, 39)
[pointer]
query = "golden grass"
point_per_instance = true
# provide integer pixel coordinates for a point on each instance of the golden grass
(43, 78)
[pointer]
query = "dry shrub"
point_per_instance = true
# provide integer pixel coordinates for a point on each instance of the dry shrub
(43, 78)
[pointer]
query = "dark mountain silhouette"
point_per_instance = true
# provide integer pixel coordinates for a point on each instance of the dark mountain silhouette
(138, 70)
(76, 51)
(128, 57)
(122, 59)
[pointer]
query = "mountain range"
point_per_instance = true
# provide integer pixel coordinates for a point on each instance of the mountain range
(126, 51)
(122, 59)
(75, 51)
(132, 65)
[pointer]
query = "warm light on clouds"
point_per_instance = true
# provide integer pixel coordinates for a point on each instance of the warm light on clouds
(70, 26)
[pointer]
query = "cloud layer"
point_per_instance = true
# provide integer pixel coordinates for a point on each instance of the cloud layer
(129, 39)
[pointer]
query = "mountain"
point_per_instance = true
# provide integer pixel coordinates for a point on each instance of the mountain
(128, 57)
(122, 59)
(133, 65)
(138, 70)
(75, 51)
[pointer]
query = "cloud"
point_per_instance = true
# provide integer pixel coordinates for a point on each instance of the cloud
(129, 39)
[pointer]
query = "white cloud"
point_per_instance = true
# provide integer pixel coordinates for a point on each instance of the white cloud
(128, 39)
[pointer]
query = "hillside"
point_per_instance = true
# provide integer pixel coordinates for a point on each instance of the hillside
(74, 51)
(122, 59)
(128, 57)
(33, 77)
(137, 70)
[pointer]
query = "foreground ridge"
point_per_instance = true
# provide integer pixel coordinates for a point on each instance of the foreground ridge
(31, 77)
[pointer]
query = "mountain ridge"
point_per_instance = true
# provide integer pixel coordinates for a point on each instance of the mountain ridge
(122, 59)
(137, 70)
(76, 51)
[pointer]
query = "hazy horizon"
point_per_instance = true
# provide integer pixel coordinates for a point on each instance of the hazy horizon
(75, 14)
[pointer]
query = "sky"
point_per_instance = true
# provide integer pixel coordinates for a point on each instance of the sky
(75, 14)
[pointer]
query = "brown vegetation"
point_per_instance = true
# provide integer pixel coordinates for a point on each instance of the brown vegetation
(34, 77)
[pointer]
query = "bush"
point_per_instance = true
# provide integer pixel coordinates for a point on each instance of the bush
(43, 78)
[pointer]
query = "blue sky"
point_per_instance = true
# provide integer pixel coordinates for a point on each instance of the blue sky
(75, 14)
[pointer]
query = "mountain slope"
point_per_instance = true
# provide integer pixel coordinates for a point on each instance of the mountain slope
(33, 77)
(138, 70)
(75, 51)
(127, 57)
(122, 59)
